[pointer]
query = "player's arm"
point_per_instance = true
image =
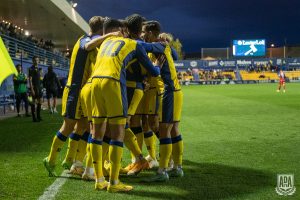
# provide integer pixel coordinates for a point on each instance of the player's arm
(92, 44)
(174, 54)
(145, 61)
(155, 47)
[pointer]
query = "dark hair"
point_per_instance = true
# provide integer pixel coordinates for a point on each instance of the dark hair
(19, 65)
(50, 68)
(34, 57)
(96, 23)
(111, 24)
(153, 26)
(135, 23)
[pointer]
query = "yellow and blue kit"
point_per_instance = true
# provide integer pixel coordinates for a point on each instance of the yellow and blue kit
(78, 75)
(135, 74)
(109, 99)
(171, 98)
(85, 94)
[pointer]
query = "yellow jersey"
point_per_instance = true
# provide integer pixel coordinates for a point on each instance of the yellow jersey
(80, 70)
(116, 54)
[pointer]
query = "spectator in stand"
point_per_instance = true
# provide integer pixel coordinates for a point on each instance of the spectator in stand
(52, 85)
(20, 86)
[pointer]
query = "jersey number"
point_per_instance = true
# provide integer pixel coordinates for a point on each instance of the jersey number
(112, 48)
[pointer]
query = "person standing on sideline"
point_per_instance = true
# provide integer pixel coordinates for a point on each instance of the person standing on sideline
(20, 86)
(52, 85)
(36, 89)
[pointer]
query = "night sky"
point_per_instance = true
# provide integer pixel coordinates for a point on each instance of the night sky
(209, 23)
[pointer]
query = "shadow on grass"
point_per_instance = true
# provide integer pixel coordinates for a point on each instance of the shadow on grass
(208, 181)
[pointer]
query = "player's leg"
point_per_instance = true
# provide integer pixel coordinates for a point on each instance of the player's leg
(57, 144)
(166, 116)
(115, 94)
(177, 142)
(115, 155)
(134, 96)
(105, 152)
(150, 142)
(99, 123)
(279, 86)
(283, 85)
(70, 111)
(88, 173)
(177, 152)
(77, 166)
(96, 152)
(74, 139)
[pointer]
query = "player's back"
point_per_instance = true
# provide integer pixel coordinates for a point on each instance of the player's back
(80, 69)
(113, 57)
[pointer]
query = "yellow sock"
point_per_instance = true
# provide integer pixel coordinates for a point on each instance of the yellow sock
(130, 142)
(57, 144)
(115, 157)
(150, 142)
(138, 132)
(165, 151)
(72, 147)
(105, 148)
(96, 151)
(177, 150)
(89, 160)
(81, 150)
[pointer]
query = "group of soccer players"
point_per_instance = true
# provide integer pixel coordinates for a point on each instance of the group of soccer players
(122, 89)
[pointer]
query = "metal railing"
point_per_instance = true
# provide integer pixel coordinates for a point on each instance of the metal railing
(25, 50)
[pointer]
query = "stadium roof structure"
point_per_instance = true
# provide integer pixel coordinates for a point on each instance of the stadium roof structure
(54, 20)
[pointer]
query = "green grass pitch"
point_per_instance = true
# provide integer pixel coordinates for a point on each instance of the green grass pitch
(237, 138)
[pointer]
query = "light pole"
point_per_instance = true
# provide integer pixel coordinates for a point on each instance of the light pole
(272, 46)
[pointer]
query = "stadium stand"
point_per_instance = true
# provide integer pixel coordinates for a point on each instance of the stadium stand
(293, 75)
(258, 75)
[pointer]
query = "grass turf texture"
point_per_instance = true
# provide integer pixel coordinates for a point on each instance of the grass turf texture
(237, 138)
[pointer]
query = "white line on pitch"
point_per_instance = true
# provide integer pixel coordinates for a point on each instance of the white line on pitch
(53, 189)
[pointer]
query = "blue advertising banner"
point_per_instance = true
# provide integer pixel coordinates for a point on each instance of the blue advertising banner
(240, 63)
(293, 62)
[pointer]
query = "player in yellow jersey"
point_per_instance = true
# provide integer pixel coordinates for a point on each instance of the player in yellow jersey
(85, 99)
(135, 74)
(109, 101)
(71, 110)
(169, 108)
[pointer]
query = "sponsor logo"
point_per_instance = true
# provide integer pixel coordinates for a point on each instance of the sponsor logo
(250, 42)
(285, 184)
(193, 63)
(244, 62)
(212, 63)
(179, 64)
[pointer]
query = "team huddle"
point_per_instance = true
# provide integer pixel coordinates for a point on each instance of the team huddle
(122, 89)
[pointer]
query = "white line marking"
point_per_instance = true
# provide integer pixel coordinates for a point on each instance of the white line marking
(53, 189)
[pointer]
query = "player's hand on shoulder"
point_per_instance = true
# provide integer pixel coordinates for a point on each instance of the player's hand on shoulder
(117, 33)
(146, 85)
